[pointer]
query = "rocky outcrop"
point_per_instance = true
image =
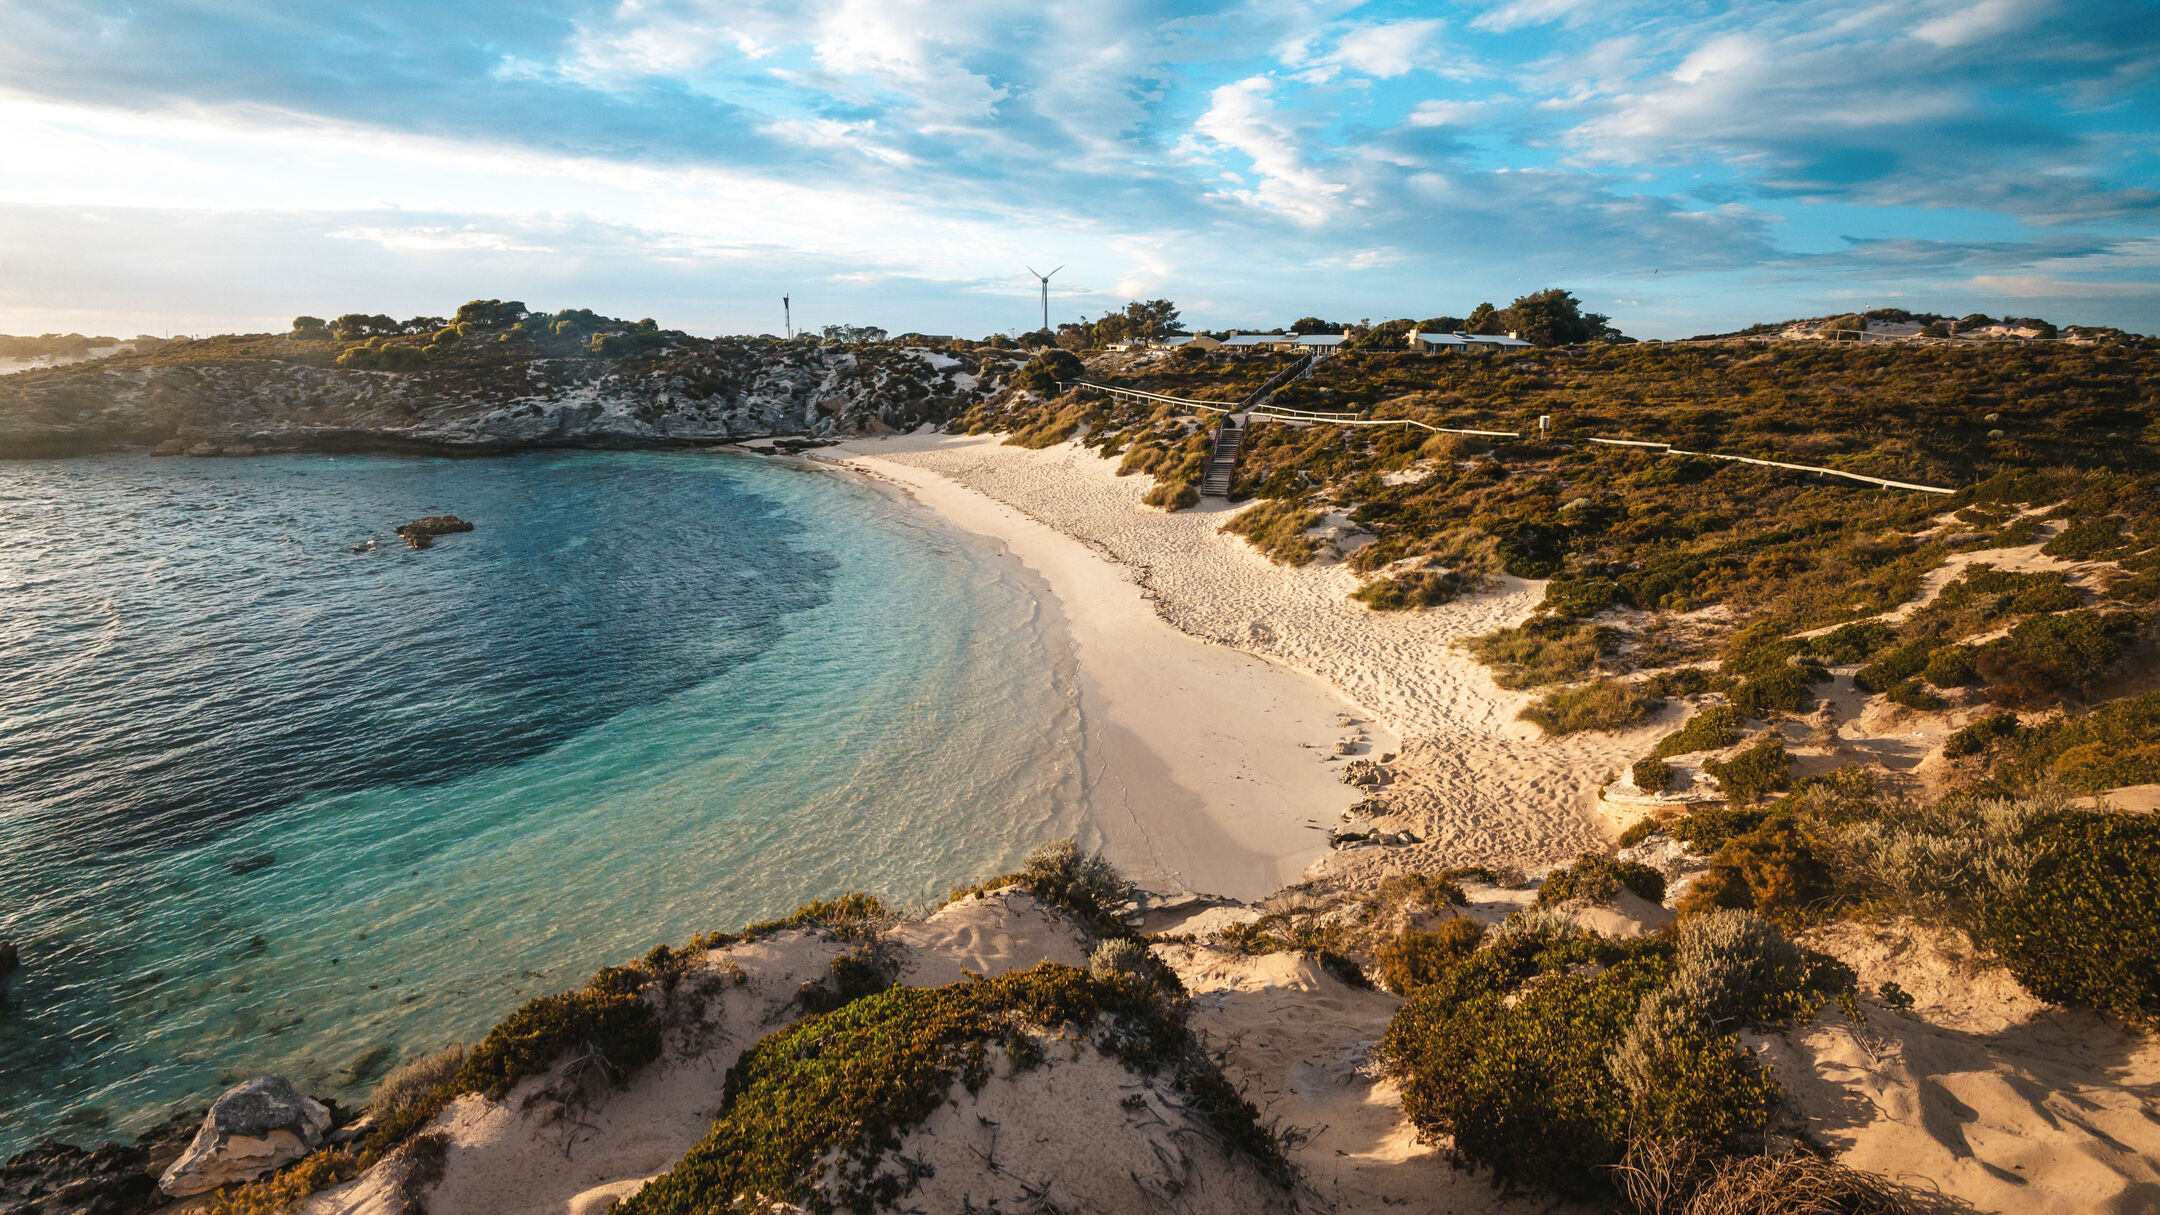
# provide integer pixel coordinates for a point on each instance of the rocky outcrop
(421, 533)
(56, 1178)
(10, 957)
(698, 392)
(253, 1128)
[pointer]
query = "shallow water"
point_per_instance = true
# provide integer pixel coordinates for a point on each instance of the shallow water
(267, 804)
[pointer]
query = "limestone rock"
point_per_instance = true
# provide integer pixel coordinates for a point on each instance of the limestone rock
(202, 449)
(253, 1128)
(421, 533)
(170, 447)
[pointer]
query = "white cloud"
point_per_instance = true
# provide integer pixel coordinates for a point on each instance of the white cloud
(1518, 13)
(1388, 49)
(1242, 116)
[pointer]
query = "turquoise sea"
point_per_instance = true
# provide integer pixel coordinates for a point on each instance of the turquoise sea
(268, 804)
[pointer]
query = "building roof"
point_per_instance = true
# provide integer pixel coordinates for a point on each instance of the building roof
(1260, 339)
(1322, 339)
(1494, 339)
(1437, 339)
(1466, 339)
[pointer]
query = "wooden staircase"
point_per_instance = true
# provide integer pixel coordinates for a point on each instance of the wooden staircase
(1222, 461)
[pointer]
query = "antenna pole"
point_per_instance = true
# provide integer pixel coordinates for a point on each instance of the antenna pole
(787, 316)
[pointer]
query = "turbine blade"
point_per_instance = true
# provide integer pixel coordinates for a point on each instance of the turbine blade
(1031, 270)
(1053, 272)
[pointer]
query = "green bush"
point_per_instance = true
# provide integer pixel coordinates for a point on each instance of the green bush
(829, 1098)
(1541, 651)
(1893, 667)
(1608, 704)
(1172, 495)
(1760, 769)
(1849, 643)
(1913, 694)
(2087, 539)
(1778, 870)
(1781, 690)
(1596, 879)
(1706, 830)
(1951, 666)
(1412, 590)
(1710, 730)
(1524, 1055)
(2052, 655)
(1651, 776)
(1277, 528)
(609, 1016)
(1576, 598)
(2085, 927)
(1982, 733)
(1084, 885)
(1418, 958)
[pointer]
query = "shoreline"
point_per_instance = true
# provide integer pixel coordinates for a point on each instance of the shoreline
(1208, 769)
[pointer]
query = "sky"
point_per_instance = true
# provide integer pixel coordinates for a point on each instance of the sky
(1689, 167)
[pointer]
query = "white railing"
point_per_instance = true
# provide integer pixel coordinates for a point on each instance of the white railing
(1670, 450)
(1306, 415)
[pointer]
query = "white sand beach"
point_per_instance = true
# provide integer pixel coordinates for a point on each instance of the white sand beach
(1218, 764)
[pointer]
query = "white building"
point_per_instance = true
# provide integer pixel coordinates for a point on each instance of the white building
(1456, 343)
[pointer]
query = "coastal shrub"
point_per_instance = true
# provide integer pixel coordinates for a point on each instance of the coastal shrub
(1577, 598)
(1982, 733)
(2086, 539)
(1913, 694)
(2084, 927)
(1713, 729)
(608, 1017)
(2047, 656)
(1434, 890)
(1608, 704)
(1893, 667)
(2114, 745)
(1783, 689)
(1951, 666)
(1511, 1056)
(1760, 769)
(1172, 495)
(1084, 885)
(828, 1099)
(851, 916)
(1417, 958)
(1412, 590)
(1777, 870)
(1277, 528)
(1540, 652)
(409, 1084)
(1593, 878)
(1850, 643)
(1045, 374)
(1651, 776)
(1946, 861)
(1641, 829)
(283, 1191)
(1708, 828)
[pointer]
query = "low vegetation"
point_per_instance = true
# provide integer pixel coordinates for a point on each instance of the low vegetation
(1277, 528)
(1593, 878)
(1608, 704)
(830, 1098)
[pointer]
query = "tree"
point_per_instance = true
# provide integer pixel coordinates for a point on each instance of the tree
(1553, 317)
(844, 334)
(1153, 319)
(422, 324)
(1484, 319)
(491, 314)
(1441, 324)
(1313, 324)
(312, 328)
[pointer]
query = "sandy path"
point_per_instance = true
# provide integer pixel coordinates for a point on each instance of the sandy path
(1477, 784)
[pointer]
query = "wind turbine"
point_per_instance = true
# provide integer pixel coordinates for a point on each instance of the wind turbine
(787, 316)
(1045, 279)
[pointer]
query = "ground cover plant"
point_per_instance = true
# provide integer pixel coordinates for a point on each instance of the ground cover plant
(837, 1092)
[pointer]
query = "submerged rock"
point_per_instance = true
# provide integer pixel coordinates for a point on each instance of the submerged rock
(421, 533)
(10, 958)
(253, 1128)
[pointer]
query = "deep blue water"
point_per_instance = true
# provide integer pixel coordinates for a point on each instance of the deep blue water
(269, 804)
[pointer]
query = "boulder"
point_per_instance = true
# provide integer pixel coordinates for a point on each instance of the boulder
(1347, 746)
(421, 533)
(202, 449)
(170, 447)
(253, 1128)
(10, 957)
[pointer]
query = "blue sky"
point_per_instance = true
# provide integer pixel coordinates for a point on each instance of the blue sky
(1684, 167)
